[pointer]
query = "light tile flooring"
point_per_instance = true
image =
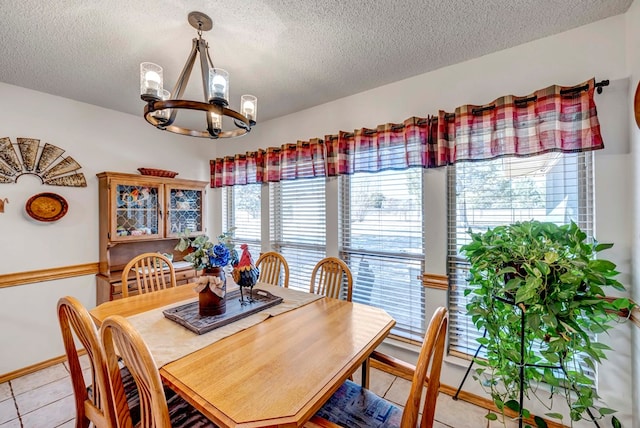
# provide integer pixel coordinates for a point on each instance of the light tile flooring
(45, 400)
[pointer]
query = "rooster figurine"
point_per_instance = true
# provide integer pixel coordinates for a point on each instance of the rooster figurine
(245, 274)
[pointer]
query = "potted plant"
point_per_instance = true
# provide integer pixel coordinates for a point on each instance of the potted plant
(546, 278)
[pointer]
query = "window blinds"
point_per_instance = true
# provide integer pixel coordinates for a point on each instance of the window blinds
(241, 209)
(381, 233)
(298, 226)
(553, 187)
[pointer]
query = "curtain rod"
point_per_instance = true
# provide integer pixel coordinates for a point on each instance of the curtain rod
(598, 87)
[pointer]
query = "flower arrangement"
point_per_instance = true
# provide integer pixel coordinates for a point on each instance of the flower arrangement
(219, 256)
(226, 238)
(205, 254)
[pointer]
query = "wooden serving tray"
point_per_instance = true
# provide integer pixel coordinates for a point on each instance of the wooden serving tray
(187, 315)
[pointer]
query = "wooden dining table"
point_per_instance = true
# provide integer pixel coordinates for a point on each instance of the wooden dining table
(276, 373)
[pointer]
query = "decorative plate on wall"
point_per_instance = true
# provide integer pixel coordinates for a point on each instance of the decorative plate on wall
(636, 105)
(46, 207)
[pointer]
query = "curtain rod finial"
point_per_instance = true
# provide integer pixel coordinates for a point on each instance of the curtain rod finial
(600, 84)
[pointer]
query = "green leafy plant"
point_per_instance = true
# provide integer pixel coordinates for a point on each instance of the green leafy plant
(226, 238)
(203, 254)
(551, 274)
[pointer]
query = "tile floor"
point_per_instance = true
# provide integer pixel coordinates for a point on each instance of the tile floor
(45, 400)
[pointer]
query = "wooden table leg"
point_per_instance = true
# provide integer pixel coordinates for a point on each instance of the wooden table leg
(365, 373)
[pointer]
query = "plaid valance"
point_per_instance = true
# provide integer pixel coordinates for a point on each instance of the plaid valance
(556, 118)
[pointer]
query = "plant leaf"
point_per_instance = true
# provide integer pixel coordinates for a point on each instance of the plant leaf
(601, 247)
(615, 422)
(491, 416)
(554, 415)
(540, 423)
(513, 405)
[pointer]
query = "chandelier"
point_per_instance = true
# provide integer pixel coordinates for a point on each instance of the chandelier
(162, 109)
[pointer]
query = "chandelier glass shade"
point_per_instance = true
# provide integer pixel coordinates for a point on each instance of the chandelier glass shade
(162, 109)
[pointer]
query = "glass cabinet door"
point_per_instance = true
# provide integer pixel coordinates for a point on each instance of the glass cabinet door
(138, 211)
(185, 211)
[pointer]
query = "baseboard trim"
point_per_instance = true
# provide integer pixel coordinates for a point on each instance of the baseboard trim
(30, 277)
(34, 368)
(464, 396)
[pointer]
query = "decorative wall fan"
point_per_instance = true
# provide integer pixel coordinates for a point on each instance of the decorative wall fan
(45, 161)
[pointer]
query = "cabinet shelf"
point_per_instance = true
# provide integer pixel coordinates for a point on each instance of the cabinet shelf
(126, 231)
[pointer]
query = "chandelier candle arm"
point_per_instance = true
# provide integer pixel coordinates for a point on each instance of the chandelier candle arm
(181, 83)
(161, 111)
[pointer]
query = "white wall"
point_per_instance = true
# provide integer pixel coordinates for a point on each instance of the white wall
(596, 50)
(633, 58)
(99, 140)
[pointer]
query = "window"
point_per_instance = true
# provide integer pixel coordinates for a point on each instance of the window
(382, 242)
(298, 226)
(241, 209)
(552, 187)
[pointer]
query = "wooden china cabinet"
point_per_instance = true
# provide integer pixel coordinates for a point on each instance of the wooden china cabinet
(139, 214)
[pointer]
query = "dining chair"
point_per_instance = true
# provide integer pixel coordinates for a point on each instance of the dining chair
(356, 407)
(328, 276)
(149, 271)
(121, 340)
(95, 405)
(272, 266)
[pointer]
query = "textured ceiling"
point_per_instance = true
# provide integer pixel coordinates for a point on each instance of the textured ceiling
(291, 54)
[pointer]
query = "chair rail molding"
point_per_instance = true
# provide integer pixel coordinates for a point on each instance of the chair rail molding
(433, 280)
(50, 274)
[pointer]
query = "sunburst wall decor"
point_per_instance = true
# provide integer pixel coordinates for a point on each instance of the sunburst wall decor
(45, 161)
